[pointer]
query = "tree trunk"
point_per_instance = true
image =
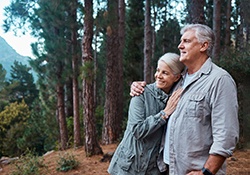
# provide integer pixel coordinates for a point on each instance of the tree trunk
(68, 94)
(92, 146)
(244, 24)
(120, 64)
(76, 115)
(61, 116)
(240, 32)
(228, 25)
(247, 32)
(196, 11)
(111, 118)
(216, 28)
(147, 43)
(152, 69)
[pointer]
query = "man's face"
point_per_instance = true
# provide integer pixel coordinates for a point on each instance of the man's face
(189, 47)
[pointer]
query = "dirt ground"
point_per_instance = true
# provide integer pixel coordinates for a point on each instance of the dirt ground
(239, 164)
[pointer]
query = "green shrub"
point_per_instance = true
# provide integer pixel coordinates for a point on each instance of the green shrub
(13, 122)
(67, 162)
(28, 164)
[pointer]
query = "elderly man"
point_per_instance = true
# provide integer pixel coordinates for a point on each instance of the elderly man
(203, 130)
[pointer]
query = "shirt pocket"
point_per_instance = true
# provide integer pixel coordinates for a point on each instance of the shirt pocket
(195, 106)
(126, 158)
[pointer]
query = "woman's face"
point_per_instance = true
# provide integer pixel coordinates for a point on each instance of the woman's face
(164, 77)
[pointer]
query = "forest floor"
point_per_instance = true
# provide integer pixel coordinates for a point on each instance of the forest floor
(239, 164)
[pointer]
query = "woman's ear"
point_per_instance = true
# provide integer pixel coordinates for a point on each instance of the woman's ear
(177, 77)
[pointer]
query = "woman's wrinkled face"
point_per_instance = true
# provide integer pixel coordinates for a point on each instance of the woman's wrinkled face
(164, 77)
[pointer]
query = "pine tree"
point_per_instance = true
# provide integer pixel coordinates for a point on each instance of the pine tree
(111, 119)
(22, 86)
(92, 146)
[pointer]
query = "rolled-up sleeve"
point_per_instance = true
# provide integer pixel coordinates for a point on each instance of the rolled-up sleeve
(224, 117)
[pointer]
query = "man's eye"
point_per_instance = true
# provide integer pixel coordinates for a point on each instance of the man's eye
(185, 40)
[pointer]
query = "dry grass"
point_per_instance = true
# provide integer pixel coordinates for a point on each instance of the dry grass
(239, 164)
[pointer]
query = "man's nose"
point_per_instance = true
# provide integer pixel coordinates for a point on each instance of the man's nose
(180, 45)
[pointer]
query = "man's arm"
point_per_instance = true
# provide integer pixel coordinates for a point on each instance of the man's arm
(224, 137)
(213, 164)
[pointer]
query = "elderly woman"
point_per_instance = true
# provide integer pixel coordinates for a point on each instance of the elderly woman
(147, 117)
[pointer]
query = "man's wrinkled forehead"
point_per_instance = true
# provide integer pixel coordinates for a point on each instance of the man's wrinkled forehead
(188, 35)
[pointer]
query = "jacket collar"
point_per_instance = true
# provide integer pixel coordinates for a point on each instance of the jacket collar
(158, 93)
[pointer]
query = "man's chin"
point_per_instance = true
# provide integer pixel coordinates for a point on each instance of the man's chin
(182, 59)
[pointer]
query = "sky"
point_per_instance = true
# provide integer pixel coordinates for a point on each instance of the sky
(21, 44)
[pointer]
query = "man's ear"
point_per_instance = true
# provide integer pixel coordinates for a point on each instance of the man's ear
(204, 47)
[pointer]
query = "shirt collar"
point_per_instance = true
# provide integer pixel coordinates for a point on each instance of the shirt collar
(205, 68)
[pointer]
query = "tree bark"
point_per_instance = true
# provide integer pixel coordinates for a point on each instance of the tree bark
(147, 43)
(61, 116)
(196, 11)
(68, 95)
(244, 24)
(111, 118)
(76, 115)
(216, 28)
(228, 25)
(120, 63)
(92, 146)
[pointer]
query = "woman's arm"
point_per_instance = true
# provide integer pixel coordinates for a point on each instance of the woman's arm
(142, 126)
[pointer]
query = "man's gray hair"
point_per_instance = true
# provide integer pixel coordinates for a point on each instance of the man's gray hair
(203, 33)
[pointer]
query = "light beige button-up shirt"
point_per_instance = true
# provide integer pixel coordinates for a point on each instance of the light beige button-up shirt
(204, 122)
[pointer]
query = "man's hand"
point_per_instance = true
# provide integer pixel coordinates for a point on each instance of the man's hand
(137, 88)
(195, 173)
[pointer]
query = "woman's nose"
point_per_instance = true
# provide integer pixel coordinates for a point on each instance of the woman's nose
(159, 74)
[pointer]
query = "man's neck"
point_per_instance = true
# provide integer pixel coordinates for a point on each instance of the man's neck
(195, 66)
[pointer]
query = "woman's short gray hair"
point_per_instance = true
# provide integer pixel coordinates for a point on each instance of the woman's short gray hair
(203, 34)
(172, 60)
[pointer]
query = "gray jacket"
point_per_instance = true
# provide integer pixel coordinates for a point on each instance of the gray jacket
(138, 150)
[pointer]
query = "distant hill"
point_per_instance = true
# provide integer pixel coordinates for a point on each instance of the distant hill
(8, 55)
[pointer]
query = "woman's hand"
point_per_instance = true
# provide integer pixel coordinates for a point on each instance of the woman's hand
(172, 102)
(137, 88)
